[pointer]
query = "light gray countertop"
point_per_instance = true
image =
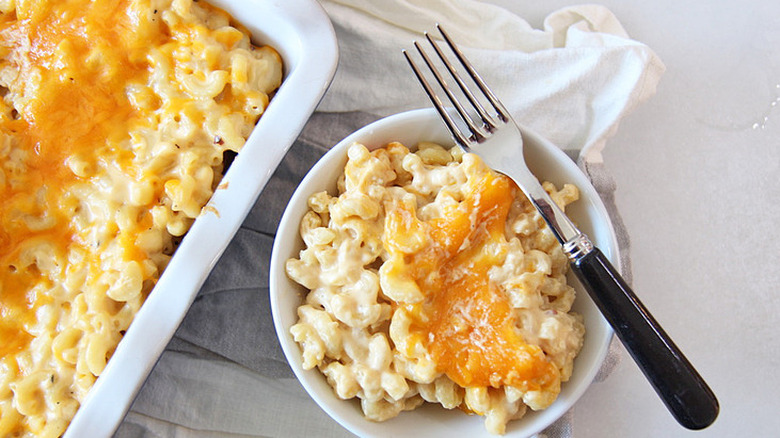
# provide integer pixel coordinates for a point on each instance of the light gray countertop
(697, 169)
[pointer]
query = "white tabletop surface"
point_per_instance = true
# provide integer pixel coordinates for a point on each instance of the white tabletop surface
(698, 176)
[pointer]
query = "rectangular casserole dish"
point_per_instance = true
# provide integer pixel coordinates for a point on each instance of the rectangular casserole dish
(303, 35)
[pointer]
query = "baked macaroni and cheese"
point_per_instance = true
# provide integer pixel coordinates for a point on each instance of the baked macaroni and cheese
(114, 118)
(432, 278)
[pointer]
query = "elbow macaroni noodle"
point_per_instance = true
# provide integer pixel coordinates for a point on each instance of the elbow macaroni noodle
(114, 118)
(431, 278)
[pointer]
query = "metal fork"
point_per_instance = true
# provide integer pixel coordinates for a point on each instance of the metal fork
(493, 135)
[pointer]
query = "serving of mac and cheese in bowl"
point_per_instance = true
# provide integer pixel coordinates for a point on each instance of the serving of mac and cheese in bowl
(414, 290)
(119, 120)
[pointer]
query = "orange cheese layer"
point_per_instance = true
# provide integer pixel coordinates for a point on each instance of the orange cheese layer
(80, 108)
(465, 322)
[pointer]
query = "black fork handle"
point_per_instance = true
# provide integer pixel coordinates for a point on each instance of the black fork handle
(679, 385)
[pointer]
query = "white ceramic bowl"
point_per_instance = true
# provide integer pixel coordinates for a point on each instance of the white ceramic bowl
(548, 163)
(303, 35)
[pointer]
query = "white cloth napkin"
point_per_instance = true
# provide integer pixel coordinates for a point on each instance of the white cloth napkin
(223, 374)
(571, 82)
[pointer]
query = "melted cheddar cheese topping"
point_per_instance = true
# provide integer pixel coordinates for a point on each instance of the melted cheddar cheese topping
(114, 118)
(80, 109)
(465, 321)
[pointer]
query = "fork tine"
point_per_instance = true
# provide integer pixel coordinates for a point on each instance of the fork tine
(456, 132)
(494, 101)
(486, 119)
(476, 132)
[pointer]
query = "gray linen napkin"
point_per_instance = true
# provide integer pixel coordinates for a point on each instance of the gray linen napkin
(224, 374)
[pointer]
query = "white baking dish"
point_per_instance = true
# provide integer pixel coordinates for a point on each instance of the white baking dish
(302, 33)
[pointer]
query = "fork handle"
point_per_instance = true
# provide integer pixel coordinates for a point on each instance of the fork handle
(682, 389)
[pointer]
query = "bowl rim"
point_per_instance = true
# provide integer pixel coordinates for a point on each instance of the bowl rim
(379, 128)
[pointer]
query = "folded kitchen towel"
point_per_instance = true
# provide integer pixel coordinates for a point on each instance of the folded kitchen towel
(224, 374)
(572, 82)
